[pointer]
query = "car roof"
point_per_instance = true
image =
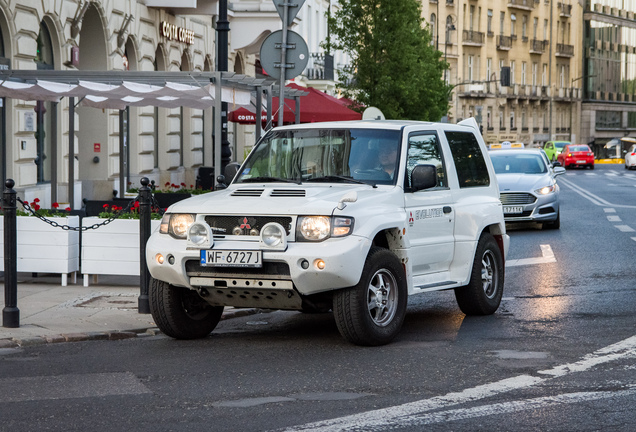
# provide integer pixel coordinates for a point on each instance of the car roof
(374, 124)
(517, 151)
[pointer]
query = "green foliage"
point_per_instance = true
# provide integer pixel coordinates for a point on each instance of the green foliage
(394, 65)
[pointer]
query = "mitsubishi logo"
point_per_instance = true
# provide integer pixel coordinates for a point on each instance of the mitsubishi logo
(244, 227)
(245, 224)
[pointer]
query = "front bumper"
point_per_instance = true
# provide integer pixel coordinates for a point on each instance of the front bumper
(282, 270)
(544, 209)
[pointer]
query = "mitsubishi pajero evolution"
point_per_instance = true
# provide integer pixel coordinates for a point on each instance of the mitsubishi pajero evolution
(352, 217)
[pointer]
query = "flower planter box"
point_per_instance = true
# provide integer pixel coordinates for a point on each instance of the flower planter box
(42, 248)
(111, 249)
(166, 199)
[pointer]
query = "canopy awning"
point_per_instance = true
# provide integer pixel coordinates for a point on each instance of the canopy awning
(118, 90)
(317, 106)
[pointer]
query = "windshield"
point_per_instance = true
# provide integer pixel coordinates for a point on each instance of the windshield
(518, 163)
(579, 148)
(561, 144)
(315, 155)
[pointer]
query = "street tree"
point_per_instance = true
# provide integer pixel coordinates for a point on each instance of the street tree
(394, 65)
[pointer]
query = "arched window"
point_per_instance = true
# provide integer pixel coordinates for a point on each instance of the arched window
(44, 60)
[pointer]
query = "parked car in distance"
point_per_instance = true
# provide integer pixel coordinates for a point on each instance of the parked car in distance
(630, 157)
(527, 186)
(553, 148)
(576, 155)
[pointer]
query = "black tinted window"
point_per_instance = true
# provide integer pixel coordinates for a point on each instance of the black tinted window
(469, 160)
(424, 150)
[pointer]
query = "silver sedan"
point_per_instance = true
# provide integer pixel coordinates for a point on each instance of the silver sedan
(527, 186)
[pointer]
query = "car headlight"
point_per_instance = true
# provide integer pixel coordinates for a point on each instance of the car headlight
(176, 224)
(546, 190)
(318, 228)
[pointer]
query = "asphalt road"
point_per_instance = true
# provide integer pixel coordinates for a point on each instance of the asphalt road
(558, 355)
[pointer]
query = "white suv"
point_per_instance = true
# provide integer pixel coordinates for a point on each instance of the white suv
(352, 217)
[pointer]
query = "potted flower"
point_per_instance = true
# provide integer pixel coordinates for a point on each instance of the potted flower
(113, 248)
(42, 247)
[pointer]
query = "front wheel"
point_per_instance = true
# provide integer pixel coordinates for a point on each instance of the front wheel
(372, 312)
(482, 295)
(180, 312)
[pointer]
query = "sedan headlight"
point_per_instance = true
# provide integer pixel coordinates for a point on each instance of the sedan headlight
(546, 190)
(176, 224)
(319, 228)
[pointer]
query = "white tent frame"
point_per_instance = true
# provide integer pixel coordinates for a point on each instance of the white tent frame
(119, 89)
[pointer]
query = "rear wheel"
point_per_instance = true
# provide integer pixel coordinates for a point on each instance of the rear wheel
(372, 312)
(483, 293)
(180, 312)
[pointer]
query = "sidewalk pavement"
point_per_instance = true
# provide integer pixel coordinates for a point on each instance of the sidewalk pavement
(51, 313)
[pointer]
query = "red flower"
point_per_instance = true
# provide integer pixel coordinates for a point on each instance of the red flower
(105, 206)
(191, 186)
(136, 204)
(55, 205)
(183, 184)
(167, 184)
(36, 207)
(37, 200)
(68, 209)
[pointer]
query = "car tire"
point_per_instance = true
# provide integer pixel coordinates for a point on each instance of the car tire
(482, 295)
(180, 312)
(372, 312)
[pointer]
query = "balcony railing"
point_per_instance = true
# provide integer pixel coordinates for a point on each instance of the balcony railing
(564, 50)
(504, 42)
(565, 9)
(320, 67)
(473, 37)
(521, 4)
(537, 46)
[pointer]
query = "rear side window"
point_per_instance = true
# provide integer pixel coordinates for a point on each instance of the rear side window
(469, 160)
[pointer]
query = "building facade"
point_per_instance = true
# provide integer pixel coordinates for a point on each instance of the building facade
(165, 145)
(539, 40)
(609, 90)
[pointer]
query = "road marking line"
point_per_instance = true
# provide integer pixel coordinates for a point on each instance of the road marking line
(547, 256)
(381, 419)
(614, 219)
(634, 238)
(609, 210)
(624, 228)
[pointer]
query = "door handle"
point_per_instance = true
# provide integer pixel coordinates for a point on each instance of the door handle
(447, 209)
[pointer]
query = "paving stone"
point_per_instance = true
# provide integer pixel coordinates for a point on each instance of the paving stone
(30, 341)
(8, 343)
(55, 338)
(75, 337)
(121, 335)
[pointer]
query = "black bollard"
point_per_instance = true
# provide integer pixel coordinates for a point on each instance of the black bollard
(145, 197)
(10, 313)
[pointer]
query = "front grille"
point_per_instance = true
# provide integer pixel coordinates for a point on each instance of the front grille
(296, 193)
(244, 225)
(517, 198)
(270, 270)
(518, 215)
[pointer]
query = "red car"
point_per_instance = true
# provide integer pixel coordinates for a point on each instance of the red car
(576, 155)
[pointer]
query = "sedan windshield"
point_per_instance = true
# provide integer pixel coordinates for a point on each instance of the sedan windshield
(518, 163)
(367, 156)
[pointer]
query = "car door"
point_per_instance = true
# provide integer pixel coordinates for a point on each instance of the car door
(430, 214)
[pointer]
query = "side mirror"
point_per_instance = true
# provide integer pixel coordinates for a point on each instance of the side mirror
(559, 170)
(230, 171)
(556, 164)
(423, 177)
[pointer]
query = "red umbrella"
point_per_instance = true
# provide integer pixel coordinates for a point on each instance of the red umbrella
(317, 106)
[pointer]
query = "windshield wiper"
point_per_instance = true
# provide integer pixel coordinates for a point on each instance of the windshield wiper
(269, 179)
(340, 178)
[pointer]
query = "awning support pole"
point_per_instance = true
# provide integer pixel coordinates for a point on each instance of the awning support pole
(258, 120)
(122, 180)
(218, 136)
(54, 147)
(71, 152)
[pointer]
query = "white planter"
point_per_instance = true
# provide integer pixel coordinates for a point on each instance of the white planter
(111, 249)
(42, 248)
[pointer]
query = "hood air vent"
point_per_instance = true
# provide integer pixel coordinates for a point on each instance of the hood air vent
(299, 193)
(247, 192)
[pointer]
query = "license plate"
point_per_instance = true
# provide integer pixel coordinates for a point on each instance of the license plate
(512, 210)
(231, 258)
(580, 162)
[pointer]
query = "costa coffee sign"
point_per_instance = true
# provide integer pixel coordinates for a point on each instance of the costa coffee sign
(177, 33)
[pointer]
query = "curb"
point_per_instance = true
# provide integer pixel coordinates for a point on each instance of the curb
(105, 335)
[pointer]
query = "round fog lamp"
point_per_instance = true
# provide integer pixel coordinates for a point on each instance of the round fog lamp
(159, 258)
(171, 259)
(304, 264)
(320, 264)
(272, 235)
(198, 234)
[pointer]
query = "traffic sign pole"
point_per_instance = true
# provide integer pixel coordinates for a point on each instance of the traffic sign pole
(283, 65)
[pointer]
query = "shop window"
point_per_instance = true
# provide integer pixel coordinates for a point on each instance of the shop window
(608, 119)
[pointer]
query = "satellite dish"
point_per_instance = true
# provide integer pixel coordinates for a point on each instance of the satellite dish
(372, 113)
